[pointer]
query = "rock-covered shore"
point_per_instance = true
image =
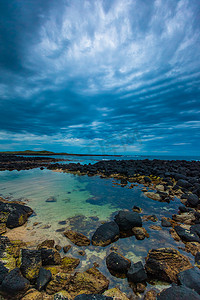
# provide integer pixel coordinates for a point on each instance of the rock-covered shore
(44, 272)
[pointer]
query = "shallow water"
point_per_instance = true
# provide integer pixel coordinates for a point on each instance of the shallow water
(82, 203)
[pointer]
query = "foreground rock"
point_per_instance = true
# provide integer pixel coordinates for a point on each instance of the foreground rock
(91, 281)
(14, 285)
(166, 263)
(106, 234)
(77, 238)
(117, 264)
(14, 214)
(186, 235)
(31, 262)
(190, 278)
(140, 233)
(116, 294)
(178, 293)
(126, 220)
(43, 279)
(137, 273)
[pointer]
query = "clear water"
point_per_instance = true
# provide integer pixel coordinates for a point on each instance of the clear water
(83, 202)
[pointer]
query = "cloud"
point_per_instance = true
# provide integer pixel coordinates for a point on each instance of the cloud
(91, 71)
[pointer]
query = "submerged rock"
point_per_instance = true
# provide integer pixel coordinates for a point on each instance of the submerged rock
(105, 234)
(177, 293)
(126, 220)
(46, 243)
(14, 285)
(77, 238)
(51, 199)
(166, 222)
(137, 273)
(117, 263)
(140, 233)
(91, 281)
(166, 263)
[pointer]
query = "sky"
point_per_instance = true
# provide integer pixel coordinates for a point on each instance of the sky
(100, 76)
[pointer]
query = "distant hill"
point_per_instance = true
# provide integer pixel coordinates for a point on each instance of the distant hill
(45, 153)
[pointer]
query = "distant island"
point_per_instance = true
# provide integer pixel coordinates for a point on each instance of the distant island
(45, 153)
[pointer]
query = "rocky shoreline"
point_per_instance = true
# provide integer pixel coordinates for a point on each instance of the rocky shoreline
(43, 272)
(14, 162)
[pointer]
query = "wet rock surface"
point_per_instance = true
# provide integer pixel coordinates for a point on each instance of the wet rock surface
(14, 285)
(137, 273)
(117, 263)
(31, 262)
(77, 238)
(106, 234)
(166, 263)
(177, 293)
(126, 220)
(190, 278)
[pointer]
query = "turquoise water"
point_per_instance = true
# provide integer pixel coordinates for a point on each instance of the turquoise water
(82, 203)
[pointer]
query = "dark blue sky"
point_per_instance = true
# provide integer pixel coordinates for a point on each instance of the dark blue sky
(100, 75)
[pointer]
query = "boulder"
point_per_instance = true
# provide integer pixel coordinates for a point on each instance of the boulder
(165, 222)
(153, 196)
(43, 279)
(150, 295)
(62, 295)
(115, 293)
(126, 220)
(3, 272)
(137, 273)
(14, 285)
(68, 264)
(177, 293)
(57, 283)
(105, 234)
(77, 238)
(50, 257)
(192, 200)
(186, 218)
(46, 244)
(31, 262)
(117, 263)
(140, 233)
(186, 234)
(184, 183)
(91, 281)
(33, 294)
(190, 278)
(166, 263)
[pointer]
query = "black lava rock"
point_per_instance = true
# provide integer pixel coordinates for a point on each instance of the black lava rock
(3, 272)
(105, 234)
(190, 278)
(178, 293)
(137, 273)
(43, 278)
(31, 262)
(14, 285)
(184, 183)
(50, 257)
(117, 263)
(165, 223)
(193, 200)
(126, 220)
(186, 235)
(197, 258)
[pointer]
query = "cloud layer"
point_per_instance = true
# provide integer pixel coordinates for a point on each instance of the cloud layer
(100, 75)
